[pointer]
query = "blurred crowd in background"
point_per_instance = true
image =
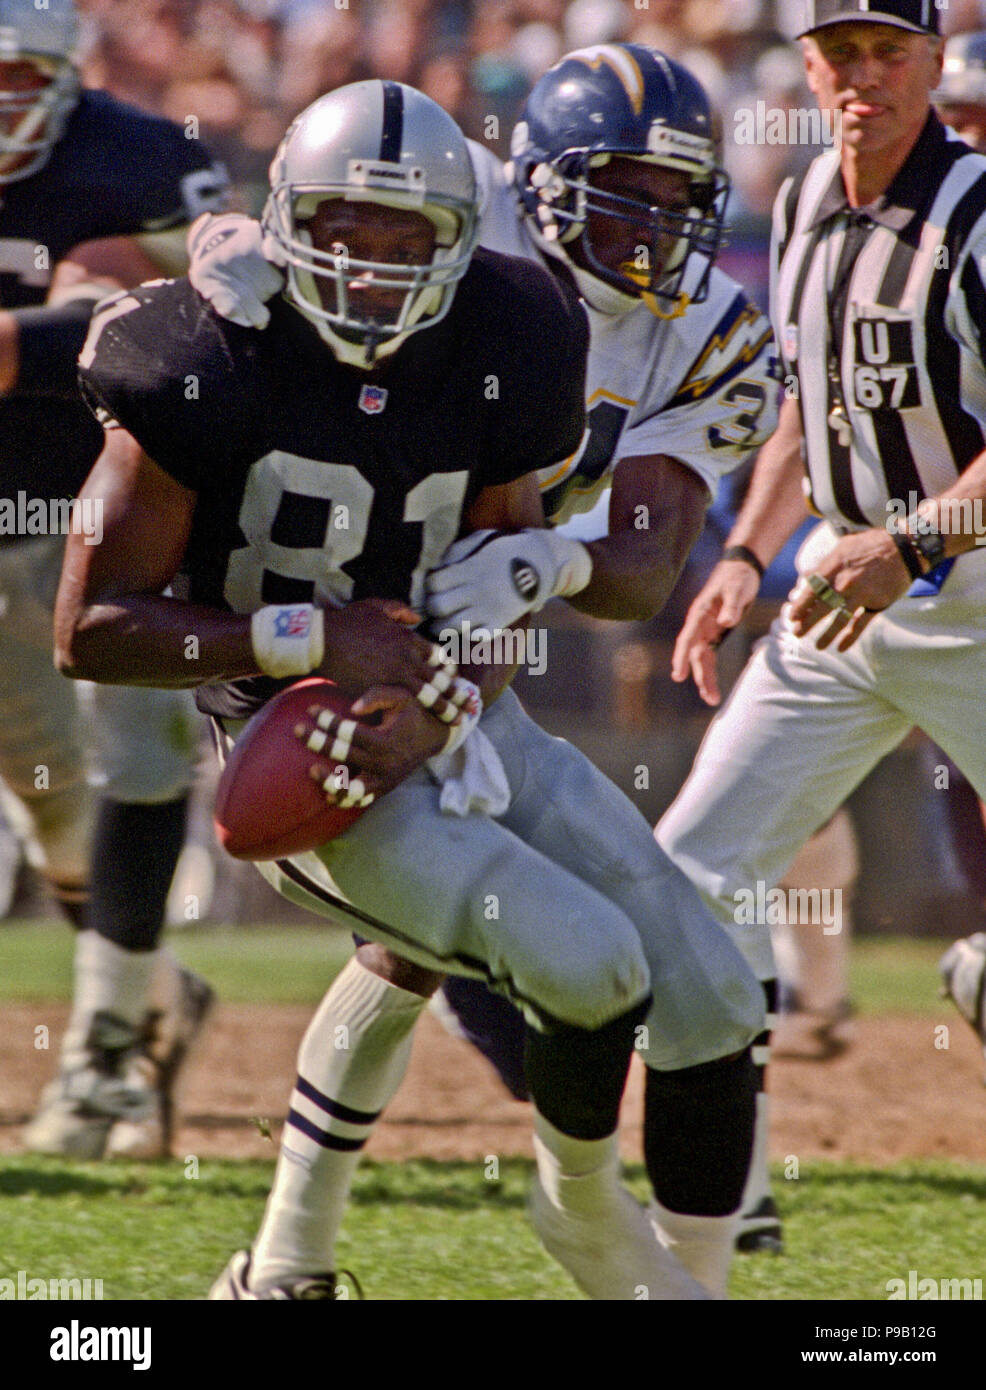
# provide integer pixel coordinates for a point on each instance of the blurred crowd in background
(244, 68)
(235, 72)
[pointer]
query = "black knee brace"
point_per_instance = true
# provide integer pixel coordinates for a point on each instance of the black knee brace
(576, 1076)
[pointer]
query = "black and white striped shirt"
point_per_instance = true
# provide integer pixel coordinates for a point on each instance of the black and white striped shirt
(880, 318)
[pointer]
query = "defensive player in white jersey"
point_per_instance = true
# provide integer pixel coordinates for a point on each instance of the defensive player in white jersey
(614, 185)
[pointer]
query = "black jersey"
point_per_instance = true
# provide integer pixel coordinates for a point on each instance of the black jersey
(317, 481)
(116, 171)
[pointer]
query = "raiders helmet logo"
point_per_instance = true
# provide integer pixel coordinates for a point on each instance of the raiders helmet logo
(526, 578)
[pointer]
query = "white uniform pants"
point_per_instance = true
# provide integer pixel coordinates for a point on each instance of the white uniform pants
(565, 902)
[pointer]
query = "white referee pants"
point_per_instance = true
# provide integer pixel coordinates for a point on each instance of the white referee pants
(802, 728)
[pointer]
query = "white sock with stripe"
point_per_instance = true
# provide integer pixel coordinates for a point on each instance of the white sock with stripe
(351, 1062)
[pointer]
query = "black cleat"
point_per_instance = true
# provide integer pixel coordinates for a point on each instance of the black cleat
(760, 1230)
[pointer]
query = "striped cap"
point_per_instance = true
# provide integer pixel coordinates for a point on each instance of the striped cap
(920, 16)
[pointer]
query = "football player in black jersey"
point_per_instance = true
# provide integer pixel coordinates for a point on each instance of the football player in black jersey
(317, 471)
(614, 143)
(79, 171)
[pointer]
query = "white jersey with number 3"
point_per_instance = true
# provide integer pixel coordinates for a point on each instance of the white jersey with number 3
(701, 388)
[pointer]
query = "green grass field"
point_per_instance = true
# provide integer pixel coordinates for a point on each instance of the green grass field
(426, 1230)
(442, 1231)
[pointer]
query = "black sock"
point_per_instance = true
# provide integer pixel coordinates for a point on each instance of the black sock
(576, 1076)
(494, 1026)
(698, 1134)
(134, 856)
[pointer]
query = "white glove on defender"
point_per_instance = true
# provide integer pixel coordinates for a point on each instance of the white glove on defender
(230, 265)
(490, 579)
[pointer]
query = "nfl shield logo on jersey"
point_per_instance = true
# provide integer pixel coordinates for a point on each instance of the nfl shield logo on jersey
(372, 399)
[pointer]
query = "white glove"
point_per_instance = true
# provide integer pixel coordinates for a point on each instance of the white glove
(490, 579)
(230, 265)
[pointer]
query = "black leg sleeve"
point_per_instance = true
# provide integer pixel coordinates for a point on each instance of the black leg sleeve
(576, 1077)
(134, 856)
(698, 1134)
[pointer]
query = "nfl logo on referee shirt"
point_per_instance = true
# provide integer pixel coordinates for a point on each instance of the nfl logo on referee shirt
(372, 399)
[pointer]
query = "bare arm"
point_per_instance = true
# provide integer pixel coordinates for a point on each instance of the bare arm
(109, 264)
(775, 506)
(773, 510)
(867, 570)
(112, 623)
(656, 512)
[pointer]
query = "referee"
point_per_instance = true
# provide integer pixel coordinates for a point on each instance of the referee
(878, 306)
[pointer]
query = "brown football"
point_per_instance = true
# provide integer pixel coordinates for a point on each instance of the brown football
(268, 806)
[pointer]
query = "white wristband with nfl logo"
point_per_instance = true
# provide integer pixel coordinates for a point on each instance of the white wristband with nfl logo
(288, 638)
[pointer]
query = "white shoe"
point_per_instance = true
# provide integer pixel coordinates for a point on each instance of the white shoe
(963, 972)
(115, 1097)
(613, 1254)
(234, 1284)
(168, 1041)
(102, 1084)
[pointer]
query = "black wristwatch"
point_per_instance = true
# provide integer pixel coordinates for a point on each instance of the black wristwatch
(927, 540)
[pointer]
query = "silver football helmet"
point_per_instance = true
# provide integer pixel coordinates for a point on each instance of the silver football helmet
(386, 144)
(33, 119)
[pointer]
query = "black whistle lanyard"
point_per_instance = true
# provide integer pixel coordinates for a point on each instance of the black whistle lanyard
(858, 230)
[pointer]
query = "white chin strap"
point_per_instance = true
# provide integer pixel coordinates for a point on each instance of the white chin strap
(354, 353)
(607, 299)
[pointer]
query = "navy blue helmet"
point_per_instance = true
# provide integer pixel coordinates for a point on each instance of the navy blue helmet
(963, 80)
(621, 99)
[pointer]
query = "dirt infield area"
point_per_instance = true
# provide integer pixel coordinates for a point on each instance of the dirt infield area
(893, 1094)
